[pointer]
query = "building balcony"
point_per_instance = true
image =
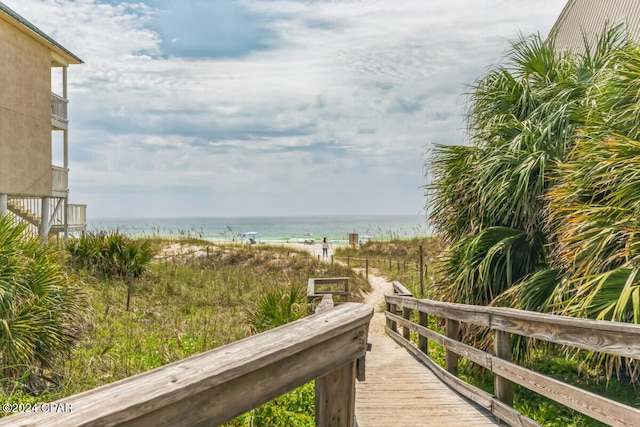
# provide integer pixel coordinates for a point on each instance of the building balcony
(60, 181)
(76, 219)
(29, 209)
(59, 116)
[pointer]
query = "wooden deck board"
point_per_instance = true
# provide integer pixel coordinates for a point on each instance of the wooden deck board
(401, 391)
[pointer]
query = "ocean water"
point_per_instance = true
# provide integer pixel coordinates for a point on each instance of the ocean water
(271, 229)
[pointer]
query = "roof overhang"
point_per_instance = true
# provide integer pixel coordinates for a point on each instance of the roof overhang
(60, 56)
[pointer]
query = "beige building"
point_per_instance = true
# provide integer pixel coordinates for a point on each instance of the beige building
(589, 17)
(33, 126)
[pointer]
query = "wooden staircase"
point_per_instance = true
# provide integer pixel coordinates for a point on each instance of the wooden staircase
(23, 212)
(29, 210)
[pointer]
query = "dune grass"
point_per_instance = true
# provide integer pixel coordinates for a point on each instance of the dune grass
(397, 260)
(183, 305)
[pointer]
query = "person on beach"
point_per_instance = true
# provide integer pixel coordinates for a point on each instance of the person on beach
(325, 247)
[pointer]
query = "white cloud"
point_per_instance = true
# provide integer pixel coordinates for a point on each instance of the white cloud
(340, 101)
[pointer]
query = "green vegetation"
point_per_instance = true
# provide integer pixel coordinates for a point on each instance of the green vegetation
(397, 260)
(110, 255)
(182, 305)
(41, 310)
(543, 358)
(540, 212)
(277, 307)
(294, 409)
(186, 304)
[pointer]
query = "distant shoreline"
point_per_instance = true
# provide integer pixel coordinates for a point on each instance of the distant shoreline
(292, 229)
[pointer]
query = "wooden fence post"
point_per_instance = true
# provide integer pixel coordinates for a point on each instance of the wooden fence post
(421, 267)
(348, 260)
(336, 397)
(391, 308)
(451, 362)
(406, 331)
(502, 349)
(129, 290)
(367, 269)
(423, 320)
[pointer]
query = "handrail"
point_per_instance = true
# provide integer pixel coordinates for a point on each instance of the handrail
(615, 338)
(216, 386)
(59, 180)
(319, 286)
(59, 107)
(391, 261)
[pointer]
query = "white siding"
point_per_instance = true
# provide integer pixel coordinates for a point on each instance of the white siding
(589, 17)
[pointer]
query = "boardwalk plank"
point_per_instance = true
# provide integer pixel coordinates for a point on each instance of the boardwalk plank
(401, 391)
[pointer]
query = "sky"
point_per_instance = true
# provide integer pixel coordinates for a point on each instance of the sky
(222, 108)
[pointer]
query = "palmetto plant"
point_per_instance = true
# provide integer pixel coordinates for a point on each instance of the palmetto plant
(487, 198)
(40, 308)
(277, 307)
(111, 254)
(595, 222)
(541, 212)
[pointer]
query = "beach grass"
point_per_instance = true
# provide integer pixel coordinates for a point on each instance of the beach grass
(397, 259)
(196, 298)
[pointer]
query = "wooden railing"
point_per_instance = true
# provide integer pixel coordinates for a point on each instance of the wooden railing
(614, 338)
(59, 181)
(30, 209)
(77, 216)
(59, 108)
(317, 287)
(216, 386)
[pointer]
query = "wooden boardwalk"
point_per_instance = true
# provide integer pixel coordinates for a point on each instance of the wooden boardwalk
(401, 391)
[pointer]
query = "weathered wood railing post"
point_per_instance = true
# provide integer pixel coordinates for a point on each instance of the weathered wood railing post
(336, 397)
(421, 267)
(366, 269)
(451, 361)
(502, 349)
(391, 324)
(604, 337)
(335, 392)
(423, 320)
(406, 331)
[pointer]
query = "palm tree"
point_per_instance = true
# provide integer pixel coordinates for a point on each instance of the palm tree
(487, 198)
(541, 211)
(40, 308)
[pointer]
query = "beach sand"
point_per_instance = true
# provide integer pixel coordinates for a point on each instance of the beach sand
(314, 249)
(177, 249)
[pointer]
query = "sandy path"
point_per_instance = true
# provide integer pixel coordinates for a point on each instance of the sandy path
(379, 288)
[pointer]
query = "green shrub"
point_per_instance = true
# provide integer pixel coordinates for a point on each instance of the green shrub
(294, 409)
(40, 307)
(111, 255)
(277, 307)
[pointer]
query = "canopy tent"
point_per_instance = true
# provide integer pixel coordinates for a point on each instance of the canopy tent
(250, 236)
